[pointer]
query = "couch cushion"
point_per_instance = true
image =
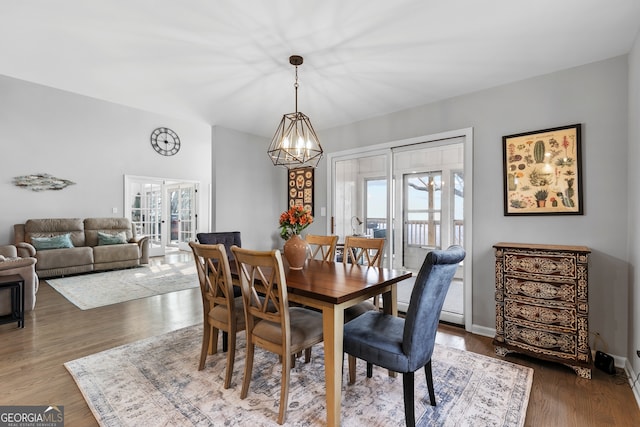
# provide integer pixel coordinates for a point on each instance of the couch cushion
(111, 239)
(50, 227)
(60, 258)
(54, 242)
(115, 253)
(106, 225)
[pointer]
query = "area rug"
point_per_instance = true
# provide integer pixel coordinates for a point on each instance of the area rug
(93, 290)
(156, 382)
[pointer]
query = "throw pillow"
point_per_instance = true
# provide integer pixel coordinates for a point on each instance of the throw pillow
(111, 239)
(54, 242)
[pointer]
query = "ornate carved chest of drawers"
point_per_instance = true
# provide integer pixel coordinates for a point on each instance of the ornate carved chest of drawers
(542, 305)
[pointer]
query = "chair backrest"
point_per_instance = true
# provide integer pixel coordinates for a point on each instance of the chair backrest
(362, 249)
(214, 274)
(325, 246)
(427, 298)
(227, 238)
(264, 287)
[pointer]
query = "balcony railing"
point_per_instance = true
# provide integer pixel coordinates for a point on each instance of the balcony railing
(418, 233)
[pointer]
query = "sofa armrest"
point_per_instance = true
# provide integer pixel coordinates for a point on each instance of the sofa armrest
(25, 250)
(143, 243)
(8, 251)
(11, 263)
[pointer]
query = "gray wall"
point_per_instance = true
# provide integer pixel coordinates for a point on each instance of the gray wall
(90, 142)
(594, 95)
(249, 192)
(634, 209)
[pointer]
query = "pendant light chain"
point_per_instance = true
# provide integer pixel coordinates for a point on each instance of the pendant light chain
(296, 85)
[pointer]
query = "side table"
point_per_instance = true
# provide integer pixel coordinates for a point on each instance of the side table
(15, 282)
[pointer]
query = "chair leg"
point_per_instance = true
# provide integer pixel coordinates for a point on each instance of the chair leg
(231, 355)
(369, 369)
(407, 387)
(213, 342)
(225, 341)
(307, 355)
(428, 374)
(248, 368)
(284, 388)
(352, 369)
(206, 345)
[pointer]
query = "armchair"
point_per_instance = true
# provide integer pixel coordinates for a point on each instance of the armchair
(10, 264)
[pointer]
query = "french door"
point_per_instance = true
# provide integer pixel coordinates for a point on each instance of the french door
(165, 210)
(412, 194)
(182, 214)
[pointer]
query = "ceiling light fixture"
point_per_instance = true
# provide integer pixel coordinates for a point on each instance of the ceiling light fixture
(295, 143)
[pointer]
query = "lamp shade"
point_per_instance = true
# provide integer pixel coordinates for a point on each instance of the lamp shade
(295, 143)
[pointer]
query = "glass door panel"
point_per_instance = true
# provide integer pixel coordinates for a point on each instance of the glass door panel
(145, 204)
(421, 217)
(182, 213)
(360, 200)
(431, 206)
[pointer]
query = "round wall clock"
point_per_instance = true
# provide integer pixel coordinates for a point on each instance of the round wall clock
(165, 141)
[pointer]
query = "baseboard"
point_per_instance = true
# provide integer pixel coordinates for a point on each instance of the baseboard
(632, 376)
(455, 318)
(483, 330)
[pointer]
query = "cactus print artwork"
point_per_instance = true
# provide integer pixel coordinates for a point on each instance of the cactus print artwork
(542, 172)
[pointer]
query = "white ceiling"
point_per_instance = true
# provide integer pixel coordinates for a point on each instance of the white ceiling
(225, 62)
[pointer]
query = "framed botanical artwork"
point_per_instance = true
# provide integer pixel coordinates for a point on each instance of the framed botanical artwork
(300, 188)
(543, 172)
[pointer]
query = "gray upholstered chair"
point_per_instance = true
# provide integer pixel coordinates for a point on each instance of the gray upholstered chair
(227, 238)
(406, 345)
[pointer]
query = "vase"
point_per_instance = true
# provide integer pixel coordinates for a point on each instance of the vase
(295, 251)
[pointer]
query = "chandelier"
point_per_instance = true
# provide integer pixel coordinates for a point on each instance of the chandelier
(295, 143)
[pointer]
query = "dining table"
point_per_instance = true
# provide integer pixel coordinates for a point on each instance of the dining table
(331, 287)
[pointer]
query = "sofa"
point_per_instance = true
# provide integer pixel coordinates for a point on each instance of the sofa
(10, 264)
(64, 246)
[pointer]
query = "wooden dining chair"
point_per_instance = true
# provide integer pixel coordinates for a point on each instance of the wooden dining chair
(322, 247)
(406, 345)
(363, 250)
(282, 329)
(228, 239)
(222, 310)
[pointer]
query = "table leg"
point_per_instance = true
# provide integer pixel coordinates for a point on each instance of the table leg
(332, 327)
(21, 323)
(390, 306)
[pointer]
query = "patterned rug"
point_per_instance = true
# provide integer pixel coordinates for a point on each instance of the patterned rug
(156, 382)
(93, 290)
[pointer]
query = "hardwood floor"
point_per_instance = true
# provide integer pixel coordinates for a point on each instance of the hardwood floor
(32, 371)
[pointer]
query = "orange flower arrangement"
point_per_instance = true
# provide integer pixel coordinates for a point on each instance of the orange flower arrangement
(294, 221)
